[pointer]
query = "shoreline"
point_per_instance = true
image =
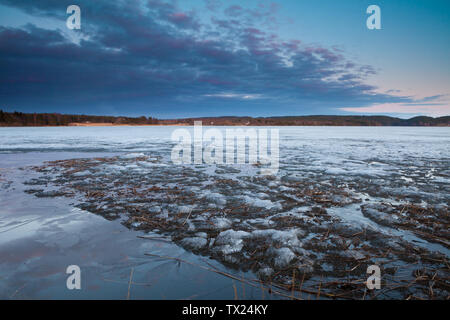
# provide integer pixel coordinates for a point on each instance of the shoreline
(217, 125)
(19, 119)
(100, 124)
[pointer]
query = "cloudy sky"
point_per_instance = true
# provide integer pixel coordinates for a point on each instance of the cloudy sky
(168, 59)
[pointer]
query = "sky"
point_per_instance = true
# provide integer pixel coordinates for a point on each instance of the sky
(192, 58)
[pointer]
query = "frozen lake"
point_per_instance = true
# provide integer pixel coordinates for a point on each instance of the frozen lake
(144, 139)
(343, 198)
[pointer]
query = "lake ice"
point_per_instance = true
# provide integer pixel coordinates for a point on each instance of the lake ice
(343, 197)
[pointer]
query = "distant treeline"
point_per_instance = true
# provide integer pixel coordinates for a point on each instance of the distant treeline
(316, 121)
(57, 119)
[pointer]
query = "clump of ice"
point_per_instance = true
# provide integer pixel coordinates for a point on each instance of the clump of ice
(230, 241)
(354, 254)
(327, 267)
(257, 202)
(201, 234)
(282, 257)
(147, 164)
(217, 198)
(81, 173)
(284, 188)
(184, 209)
(259, 222)
(191, 226)
(132, 155)
(289, 237)
(194, 242)
(155, 209)
(163, 215)
(221, 223)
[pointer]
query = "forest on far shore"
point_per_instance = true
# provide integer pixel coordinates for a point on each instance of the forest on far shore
(20, 119)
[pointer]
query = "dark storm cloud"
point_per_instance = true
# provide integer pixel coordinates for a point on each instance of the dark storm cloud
(139, 56)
